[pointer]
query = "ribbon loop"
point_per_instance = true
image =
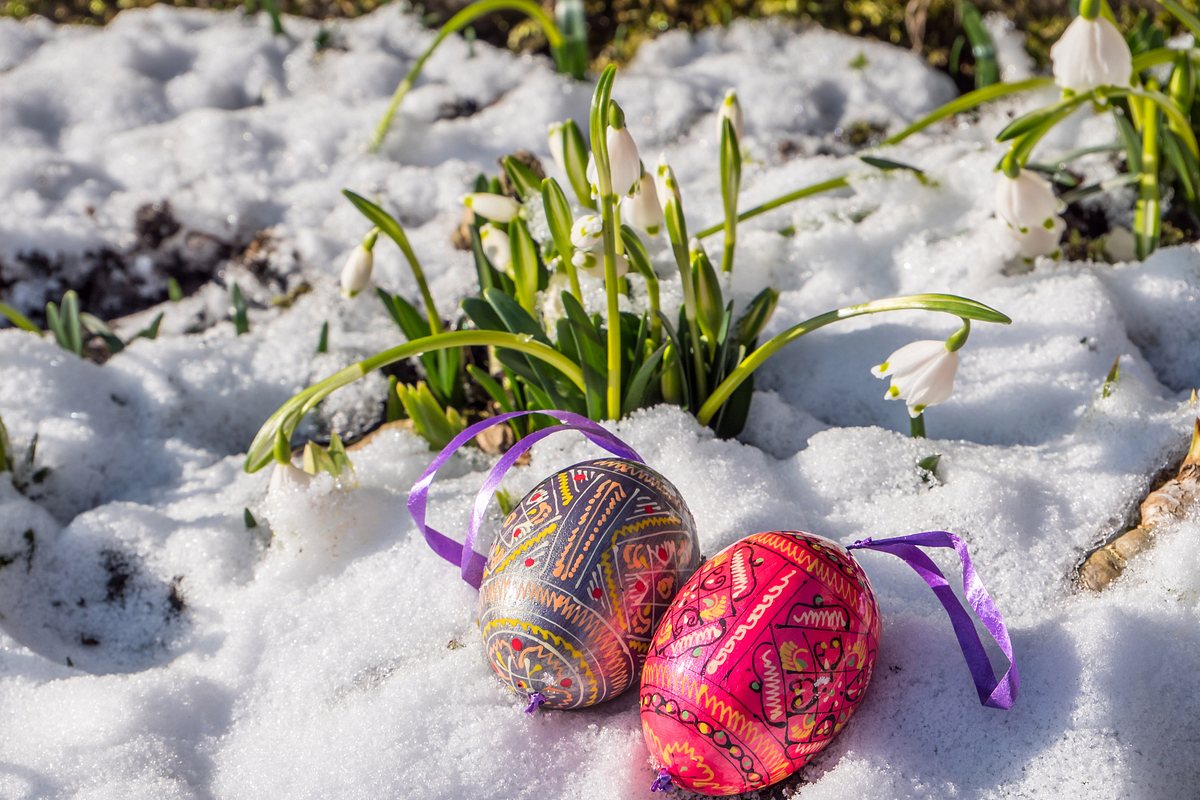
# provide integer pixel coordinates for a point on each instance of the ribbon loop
(471, 564)
(993, 693)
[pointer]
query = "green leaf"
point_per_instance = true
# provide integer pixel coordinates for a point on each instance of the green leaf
(641, 390)
(575, 153)
(323, 339)
(393, 409)
(238, 303)
(558, 217)
(524, 264)
(524, 180)
(888, 165)
(987, 71)
(248, 519)
(174, 290)
(756, 316)
(18, 319)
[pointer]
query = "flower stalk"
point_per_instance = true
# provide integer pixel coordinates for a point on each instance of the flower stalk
(456, 23)
(947, 303)
(273, 438)
(599, 124)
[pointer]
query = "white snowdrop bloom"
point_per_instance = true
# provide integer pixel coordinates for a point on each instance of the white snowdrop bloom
(1028, 205)
(731, 110)
(1041, 241)
(624, 163)
(557, 147)
(287, 479)
(587, 234)
(593, 177)
(356, 273)
(496, 247)
(643, 210)
(496, 207)
(592, 265)
(1091, 53)
(922, 374)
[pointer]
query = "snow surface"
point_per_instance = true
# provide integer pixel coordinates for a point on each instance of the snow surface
(154, 646)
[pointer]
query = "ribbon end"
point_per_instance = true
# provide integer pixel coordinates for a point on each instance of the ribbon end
(663, 782)
(536, 700)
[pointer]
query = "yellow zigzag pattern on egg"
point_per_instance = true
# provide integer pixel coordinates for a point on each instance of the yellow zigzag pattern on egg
(564, 489)
(558, 641)
(611, 650)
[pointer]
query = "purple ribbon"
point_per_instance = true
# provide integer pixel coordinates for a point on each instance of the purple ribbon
(663, 782)
(471, 563)
(993, 693)
(536, 701)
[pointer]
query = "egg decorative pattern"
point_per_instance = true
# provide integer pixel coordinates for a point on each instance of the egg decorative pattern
(759, 662)
(582, 571)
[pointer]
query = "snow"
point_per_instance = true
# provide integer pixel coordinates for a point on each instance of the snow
(154, 646)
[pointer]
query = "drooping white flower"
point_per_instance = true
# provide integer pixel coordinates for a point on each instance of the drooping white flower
(731, 110)
(643, 210)
(587, 233)
(592, 264)
(356, 273)
(286, 478)
(1091, 53)
(557, 145)
(922, 374)
(496, 207)
(593, 176)
(496, 247)
(624, 163)
(1028, 205)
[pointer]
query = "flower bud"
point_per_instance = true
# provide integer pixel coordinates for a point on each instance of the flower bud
(624, 163)
(731, 110)
(643, 210)
(495, 207)
(356, 273)
(496, 247)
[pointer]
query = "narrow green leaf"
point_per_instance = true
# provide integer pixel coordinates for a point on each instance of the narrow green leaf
(323, 339)
(238, 302)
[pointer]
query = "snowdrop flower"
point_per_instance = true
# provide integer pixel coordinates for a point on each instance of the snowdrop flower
(587, 234)
(496, 207)
(286, 479)
(1091, 53)
(731, 110)
(624, 163)
(558, 146)
(643, 210)
(1028, 205)
(588, 263)
(356, 273)
(922, 374)
(496, 247)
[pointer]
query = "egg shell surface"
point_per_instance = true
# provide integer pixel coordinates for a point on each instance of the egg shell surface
(759, 662)
(582, 571)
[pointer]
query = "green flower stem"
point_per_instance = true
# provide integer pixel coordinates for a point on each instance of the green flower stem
(1179, 123)
(385, 222)
(1147, 212)
(456, 23)
(957, 106)
(916, 426)
(1163, 55)
(612, 291)
(948, 303)
(841, 181)
(966, 103)
(276, 432)
(598, 127)
(1089, 9)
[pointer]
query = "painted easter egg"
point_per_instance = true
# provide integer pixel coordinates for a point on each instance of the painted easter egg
(578, 578)
(759, 662)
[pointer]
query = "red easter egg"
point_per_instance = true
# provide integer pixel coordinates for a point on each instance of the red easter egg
(759, 662)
